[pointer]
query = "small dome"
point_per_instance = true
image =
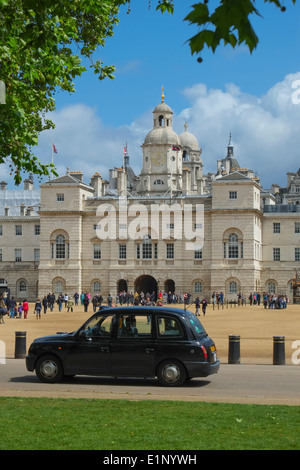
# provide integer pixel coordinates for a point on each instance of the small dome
(162, 108)
(188, 140)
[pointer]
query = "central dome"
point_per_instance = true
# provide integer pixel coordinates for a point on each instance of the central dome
(162, 135)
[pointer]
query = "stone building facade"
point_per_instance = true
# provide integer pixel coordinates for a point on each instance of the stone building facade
(170, 228)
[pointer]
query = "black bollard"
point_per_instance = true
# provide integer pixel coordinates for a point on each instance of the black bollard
(20, 345)
(234, 354)
(278, 350)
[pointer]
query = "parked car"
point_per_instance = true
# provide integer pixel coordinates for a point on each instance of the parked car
(168, 343)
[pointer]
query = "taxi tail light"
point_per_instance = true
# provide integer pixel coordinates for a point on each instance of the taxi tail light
(204, 352)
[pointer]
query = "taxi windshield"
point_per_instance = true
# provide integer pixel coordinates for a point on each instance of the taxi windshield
(196, 325)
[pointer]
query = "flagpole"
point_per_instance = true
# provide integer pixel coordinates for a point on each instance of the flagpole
(52, 160)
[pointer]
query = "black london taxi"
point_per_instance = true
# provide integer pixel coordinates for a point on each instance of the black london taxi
(168, 343)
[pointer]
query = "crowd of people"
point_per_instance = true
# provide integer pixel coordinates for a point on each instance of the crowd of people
(13, 309)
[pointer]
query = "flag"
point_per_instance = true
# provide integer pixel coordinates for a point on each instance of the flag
(125, 150)
(54, 149)
(175, 148)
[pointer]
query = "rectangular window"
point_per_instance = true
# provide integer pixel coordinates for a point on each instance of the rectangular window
(276, 227)
(276, 254)
(1, 255)
(198, 254)
(36, 254)
(138, 251)
(18, 229)
(297, 254)
(170, 250)
(297, 227)
(122, 251)
(147, 250)
(18, 254)
(60, 197)
(37, 230)
(232, 194)
(97, 251)
(1, 230)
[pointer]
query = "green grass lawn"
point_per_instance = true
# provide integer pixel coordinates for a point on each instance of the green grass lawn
(80, 424)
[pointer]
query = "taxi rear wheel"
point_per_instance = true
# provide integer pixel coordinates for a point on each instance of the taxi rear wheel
(49, 369)
(171, 373)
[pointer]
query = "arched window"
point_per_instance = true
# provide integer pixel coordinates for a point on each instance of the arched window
(233, 287)
(60, 247)
(198, 287)
(271, 287)
(22, 287)
(233, 247)
(96, 287)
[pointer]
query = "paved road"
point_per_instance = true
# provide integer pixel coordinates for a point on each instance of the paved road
(261, 384)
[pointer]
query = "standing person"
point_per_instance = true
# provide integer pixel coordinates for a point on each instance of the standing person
(86, 302)
(213, 299)
(76, 297)
(109, 300)
(20, 309)
(12, 304)
(70, 304)
(25, 308)
(197, 303)
(38, 308)
(45, 303)
(204, 305)
(3, 310)
(60, 301)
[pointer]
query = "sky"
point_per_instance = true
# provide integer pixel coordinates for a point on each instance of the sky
(249, 95)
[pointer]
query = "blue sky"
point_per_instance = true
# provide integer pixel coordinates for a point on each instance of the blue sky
(230, 91)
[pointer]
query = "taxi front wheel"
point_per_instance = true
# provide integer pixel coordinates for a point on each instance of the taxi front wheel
(171, 373)
(49, 369)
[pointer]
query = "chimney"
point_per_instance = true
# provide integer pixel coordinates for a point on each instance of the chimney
(3, 185)
(77, 174)
(96, 183)
(6, 211)
(22, 209)
(28, 184)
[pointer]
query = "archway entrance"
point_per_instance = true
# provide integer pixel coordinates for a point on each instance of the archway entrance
(122, 285)
(146, 284)
(170, 286)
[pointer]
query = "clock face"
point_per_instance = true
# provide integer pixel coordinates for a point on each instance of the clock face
(158, 159)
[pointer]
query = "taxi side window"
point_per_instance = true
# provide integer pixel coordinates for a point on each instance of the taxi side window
(132, 326)
(99, 326)
(168, 327)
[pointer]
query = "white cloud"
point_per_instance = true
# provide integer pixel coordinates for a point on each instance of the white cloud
(265, 132)
(265, 129)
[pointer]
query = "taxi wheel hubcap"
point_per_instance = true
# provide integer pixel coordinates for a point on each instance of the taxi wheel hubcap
(49, 369)
(171, 373)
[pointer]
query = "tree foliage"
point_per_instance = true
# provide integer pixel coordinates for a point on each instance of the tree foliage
(42, 44)
(228, 23)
